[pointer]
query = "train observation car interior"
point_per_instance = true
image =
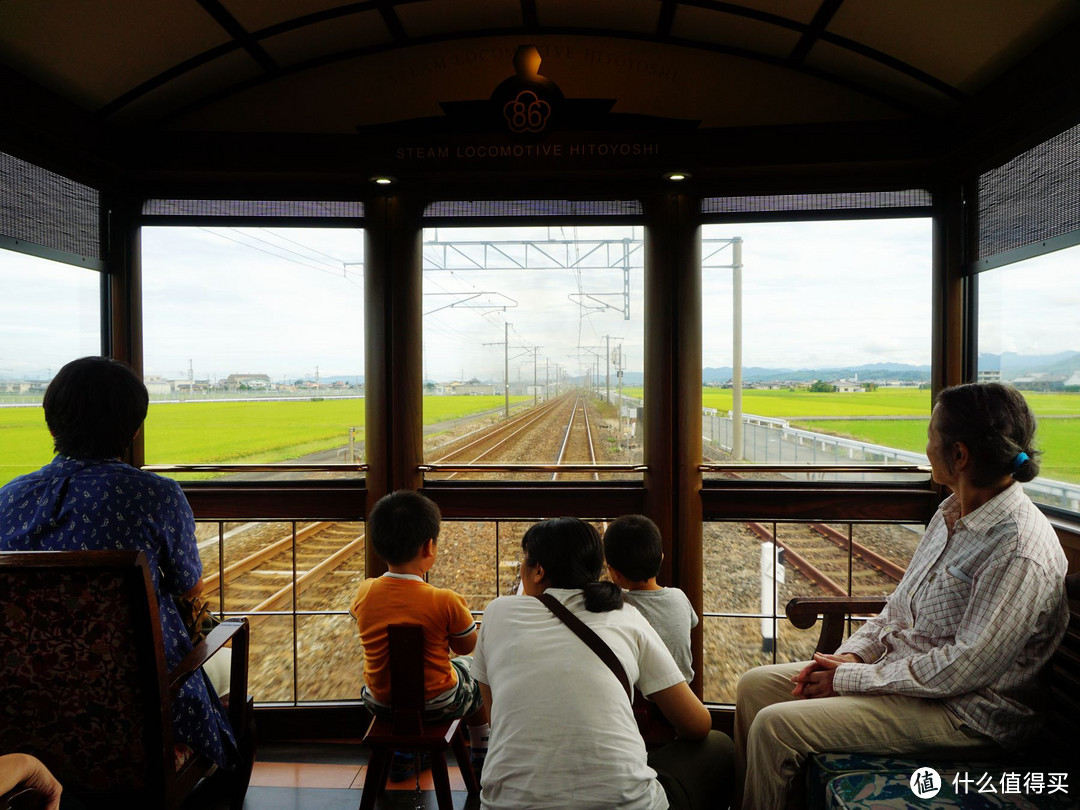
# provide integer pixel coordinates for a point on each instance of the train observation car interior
(704, 261)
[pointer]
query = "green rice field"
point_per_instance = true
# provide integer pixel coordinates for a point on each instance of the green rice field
(261, 432)
(227, 432)
(1058, 437)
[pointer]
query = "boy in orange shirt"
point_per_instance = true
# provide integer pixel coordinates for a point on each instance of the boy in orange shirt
(404, 528)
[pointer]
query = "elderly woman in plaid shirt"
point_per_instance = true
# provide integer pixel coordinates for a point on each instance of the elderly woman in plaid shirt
(952, 665)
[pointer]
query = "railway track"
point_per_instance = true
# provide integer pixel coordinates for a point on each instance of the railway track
(577, 445)
(495, 443)
(282, 571)
(812, 550)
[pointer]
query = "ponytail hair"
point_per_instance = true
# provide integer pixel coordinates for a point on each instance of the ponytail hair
(572, 556)
(996, 424)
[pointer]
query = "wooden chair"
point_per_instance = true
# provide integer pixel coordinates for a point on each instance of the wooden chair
(84, 685)
(407, 731)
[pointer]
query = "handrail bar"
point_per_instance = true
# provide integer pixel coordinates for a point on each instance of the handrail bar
(283, 467)
(543, 468)
(831, 468)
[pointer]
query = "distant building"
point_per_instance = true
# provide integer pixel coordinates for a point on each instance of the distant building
(157, 386)
(990, 375)
(16, 387)
(470, 388)
(848, 387)
(234, 382)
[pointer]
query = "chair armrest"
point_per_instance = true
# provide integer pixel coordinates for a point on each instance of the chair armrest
(202, 652)
(803, 612)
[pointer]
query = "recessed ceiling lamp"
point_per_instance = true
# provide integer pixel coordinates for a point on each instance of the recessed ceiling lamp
(382, 180)
(676, 176)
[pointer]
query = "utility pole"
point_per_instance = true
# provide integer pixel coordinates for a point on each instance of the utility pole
(534, 351)
(736, 350)
(607, 376)
(506, 368)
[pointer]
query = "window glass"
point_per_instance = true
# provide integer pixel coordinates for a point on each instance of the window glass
(254, 348)
(294, 582)
(816, 350)
(533, 348)
(50, 314)
(1028, 337)
(753, 569)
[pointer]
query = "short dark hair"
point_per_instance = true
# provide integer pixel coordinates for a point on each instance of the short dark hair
(996, 424)
(94, 407)
(401, 523)
(633, 547)
(572, 555)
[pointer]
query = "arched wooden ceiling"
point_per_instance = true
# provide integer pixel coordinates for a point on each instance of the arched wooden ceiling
(227, 86)
(284, 65)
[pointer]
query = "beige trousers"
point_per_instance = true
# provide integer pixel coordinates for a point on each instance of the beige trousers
(776, 732)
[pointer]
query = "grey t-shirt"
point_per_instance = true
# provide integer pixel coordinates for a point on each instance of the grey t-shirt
(671, 615)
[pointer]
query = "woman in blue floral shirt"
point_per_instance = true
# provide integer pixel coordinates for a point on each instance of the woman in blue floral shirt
(87, 499)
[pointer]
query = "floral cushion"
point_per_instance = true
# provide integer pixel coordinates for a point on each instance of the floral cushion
(73, 699)
(891, 790)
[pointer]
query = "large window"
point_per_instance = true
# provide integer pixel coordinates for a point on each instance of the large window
(533, 349)
(254, 350)
(50, 313)
(1029, 337)
(816, 342)
(753, 569)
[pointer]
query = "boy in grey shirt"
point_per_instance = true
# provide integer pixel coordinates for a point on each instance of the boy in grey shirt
(633, 552)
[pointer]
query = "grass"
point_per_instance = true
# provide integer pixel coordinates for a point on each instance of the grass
(441, 409)
(226, 432)
(253, 432)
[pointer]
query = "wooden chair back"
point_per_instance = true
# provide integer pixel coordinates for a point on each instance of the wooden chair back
(406, 643)
(84, 684)
(406, 730)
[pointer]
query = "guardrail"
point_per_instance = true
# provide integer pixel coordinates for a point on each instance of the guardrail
(773, 441)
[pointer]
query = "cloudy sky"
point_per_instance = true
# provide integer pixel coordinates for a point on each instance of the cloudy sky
(289, 302)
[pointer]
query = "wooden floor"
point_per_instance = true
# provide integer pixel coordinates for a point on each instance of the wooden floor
(329, 776)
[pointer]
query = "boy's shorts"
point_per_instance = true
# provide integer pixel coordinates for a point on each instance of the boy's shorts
(460, 700)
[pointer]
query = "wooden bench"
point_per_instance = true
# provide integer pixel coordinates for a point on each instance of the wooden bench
(84, 685)
(861, 781)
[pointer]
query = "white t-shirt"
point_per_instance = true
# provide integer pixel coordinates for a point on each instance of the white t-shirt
(563, 733)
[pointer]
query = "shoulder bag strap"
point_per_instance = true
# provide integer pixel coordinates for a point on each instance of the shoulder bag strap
(588, 635)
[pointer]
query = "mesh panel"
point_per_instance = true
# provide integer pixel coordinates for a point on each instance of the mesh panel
(841, 201)
(47, 209)
(254, 208)
(1035, 196)
(533, 208)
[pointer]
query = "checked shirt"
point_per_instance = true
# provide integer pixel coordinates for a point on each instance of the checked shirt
(974, 620)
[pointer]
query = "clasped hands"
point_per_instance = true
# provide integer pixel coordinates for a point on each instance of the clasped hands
(815, 680)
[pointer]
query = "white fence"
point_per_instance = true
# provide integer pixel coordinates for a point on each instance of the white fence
(773, 441)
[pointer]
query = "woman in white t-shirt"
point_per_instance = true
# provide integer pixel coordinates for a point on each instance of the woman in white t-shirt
(563, 732)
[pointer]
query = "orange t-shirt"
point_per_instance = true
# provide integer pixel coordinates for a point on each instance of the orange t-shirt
(405, 598)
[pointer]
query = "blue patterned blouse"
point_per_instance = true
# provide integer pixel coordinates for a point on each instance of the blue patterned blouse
(91, 505)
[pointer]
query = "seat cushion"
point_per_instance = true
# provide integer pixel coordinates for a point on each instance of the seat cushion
(885, 790)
